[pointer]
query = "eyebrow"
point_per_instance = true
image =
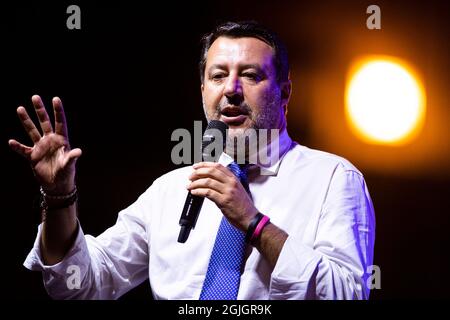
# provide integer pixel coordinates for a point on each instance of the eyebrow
(244, 66)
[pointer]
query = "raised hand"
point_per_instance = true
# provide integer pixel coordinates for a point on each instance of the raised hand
(50, 157)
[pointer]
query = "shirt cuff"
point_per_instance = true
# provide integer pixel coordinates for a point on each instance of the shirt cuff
(77, 256)
(295, 268)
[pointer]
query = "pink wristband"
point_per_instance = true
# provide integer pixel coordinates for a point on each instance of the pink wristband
(264, 221)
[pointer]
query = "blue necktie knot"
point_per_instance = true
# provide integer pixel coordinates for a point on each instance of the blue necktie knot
(240, 171)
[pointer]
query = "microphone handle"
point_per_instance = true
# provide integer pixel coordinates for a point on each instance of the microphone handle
(189, 216)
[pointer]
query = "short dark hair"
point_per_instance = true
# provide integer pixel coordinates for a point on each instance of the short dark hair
(248, 29)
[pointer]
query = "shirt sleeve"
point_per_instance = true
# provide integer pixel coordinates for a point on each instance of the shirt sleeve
(336, 266)
(103, 267)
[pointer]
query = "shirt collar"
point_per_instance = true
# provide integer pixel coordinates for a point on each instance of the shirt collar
(271, 167)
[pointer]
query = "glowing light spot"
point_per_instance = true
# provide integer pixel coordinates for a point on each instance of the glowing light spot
(385, 101)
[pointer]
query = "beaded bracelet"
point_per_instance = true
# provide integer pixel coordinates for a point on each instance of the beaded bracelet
(64, 200)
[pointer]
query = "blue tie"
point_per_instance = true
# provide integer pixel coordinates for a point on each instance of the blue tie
(224, 269)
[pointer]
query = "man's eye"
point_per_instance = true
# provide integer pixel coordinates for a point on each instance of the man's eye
(218, 76)
(252, 76)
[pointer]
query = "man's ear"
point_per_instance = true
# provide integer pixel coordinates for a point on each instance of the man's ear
(286, 90)
(202, 89)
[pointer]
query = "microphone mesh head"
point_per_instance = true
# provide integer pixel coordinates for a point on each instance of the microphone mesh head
(210, 135)
(220, 125)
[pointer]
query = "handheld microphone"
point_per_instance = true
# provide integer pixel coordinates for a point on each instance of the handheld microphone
(193, 204)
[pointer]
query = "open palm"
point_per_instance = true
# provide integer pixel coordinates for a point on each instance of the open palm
(52, 160)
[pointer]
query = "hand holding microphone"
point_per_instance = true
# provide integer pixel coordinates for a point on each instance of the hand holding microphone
(193, 204)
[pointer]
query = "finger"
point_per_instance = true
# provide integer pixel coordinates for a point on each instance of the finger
(215, 165)
(206, 164)
(72, 156)
(42, 114)
(209, 172)
(207, 183)
(60, 117)
(21, 149)
(28, 124)
(207, 193)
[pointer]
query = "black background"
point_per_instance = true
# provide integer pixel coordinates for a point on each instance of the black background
(129, 77)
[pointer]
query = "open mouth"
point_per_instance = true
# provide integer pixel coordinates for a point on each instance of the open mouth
(233, 116)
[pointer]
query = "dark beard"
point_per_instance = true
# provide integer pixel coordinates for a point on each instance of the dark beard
(238, 144)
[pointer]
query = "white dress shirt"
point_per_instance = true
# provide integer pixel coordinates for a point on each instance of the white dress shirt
(320, 200)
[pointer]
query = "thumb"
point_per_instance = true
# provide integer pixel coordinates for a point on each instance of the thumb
(72, 156)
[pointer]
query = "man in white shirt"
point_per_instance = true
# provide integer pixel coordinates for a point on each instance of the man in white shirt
(318, 243)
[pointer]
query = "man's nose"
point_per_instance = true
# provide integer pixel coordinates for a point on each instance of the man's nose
(233, 87)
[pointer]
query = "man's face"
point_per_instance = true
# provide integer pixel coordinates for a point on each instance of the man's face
(240, 86)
